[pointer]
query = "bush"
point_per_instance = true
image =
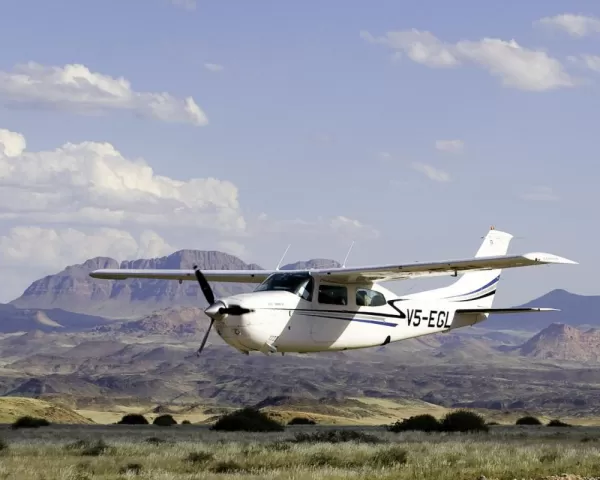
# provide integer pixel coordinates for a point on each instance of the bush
(200, 457)
(423, 423)
(164, 421)
(30, 422)
(529, 420)
(301, 421)
(186, 422)
(133, 419)
(131, 468)
(3, 445)
(463, 421)
(248, 420)
(96, 449)
(557, 423)
(336, 436)
(390, 457)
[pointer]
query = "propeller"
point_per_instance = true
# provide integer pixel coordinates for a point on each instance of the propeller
(214, 309)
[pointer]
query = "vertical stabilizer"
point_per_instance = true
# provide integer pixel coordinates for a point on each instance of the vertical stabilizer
(475, 289)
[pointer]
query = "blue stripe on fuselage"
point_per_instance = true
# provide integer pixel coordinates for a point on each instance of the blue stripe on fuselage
(361, 320)
(492, 282)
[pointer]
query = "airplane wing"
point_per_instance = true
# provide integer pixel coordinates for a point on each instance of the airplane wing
(431, 269)
(235, 276)
(476, 311)
(378, 273)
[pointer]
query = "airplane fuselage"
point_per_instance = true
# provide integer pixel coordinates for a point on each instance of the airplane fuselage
(282, 322)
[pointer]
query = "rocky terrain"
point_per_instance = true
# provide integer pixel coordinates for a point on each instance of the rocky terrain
(92, 341)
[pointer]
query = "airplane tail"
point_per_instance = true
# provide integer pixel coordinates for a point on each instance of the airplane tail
(474, 289)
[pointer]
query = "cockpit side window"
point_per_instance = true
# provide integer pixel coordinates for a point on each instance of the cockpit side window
(300, 284)
(306, 290)
(369, 298)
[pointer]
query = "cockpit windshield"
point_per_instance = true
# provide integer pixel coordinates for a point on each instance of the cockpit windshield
(300, 284)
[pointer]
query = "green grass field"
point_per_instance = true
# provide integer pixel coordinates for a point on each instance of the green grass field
(192, 452)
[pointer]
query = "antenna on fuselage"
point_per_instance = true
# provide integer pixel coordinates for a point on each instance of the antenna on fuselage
(347, 255)
(282, 257)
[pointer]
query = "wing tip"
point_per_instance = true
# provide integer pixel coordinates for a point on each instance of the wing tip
(541, 257)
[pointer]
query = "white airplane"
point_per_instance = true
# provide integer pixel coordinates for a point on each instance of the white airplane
(327, 309)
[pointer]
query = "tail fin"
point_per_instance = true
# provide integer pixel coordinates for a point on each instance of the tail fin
(475, 289)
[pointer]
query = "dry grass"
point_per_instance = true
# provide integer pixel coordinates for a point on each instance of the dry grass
(190, 452)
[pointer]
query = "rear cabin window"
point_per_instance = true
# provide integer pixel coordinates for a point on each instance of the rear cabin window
(369, 298)
(333, 295)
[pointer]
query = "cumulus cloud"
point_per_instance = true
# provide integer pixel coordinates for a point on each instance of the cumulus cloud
(76, 89)
(49, 248)
(339, 226)
(576, 25)
(540, 194)
(213, 67)
(516, 66)
(591, 62)
(451, 146)
(432, 173)
(93, 183)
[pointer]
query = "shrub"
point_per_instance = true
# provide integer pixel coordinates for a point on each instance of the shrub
(3, 445)
(390, 457)
(248, 420)
(200, 457)
(30, 422)
(301, 421)
(164, 421)
(96, 449)
(529, 420)
(463, 421)
(423, 423)
(227, 466)
(131, 468)
(133, 419)
(186, 422)
(336, 436)
(557, 423)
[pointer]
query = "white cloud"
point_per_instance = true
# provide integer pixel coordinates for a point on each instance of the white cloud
(12, 144)
(452, 146)
(518, 67)
(233, 248)
(421, 47)
(340, 227)
(385, 155)
(48, 248)
(77, 89)
(591, 62)
(94, 184)
(540, 194)
(576, 25)
(185, 4)
(213, 67)
(431, 172)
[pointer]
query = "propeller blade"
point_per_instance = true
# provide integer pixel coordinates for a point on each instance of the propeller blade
(205, 337)
(204, 286)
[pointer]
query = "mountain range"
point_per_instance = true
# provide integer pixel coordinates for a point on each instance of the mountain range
(95, 341)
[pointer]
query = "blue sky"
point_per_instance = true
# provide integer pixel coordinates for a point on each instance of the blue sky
(321, 118)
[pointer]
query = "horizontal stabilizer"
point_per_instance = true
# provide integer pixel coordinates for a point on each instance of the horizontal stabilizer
(474, 311)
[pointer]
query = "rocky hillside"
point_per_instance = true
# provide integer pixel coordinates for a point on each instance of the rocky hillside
(574, 310)
(74, 290)
(563, 342)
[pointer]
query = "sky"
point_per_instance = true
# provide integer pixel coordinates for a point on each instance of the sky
(133, 129)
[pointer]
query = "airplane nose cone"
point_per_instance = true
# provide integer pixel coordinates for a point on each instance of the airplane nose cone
(214, 310)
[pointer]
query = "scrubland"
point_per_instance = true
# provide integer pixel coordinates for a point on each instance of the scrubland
(194, 452)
